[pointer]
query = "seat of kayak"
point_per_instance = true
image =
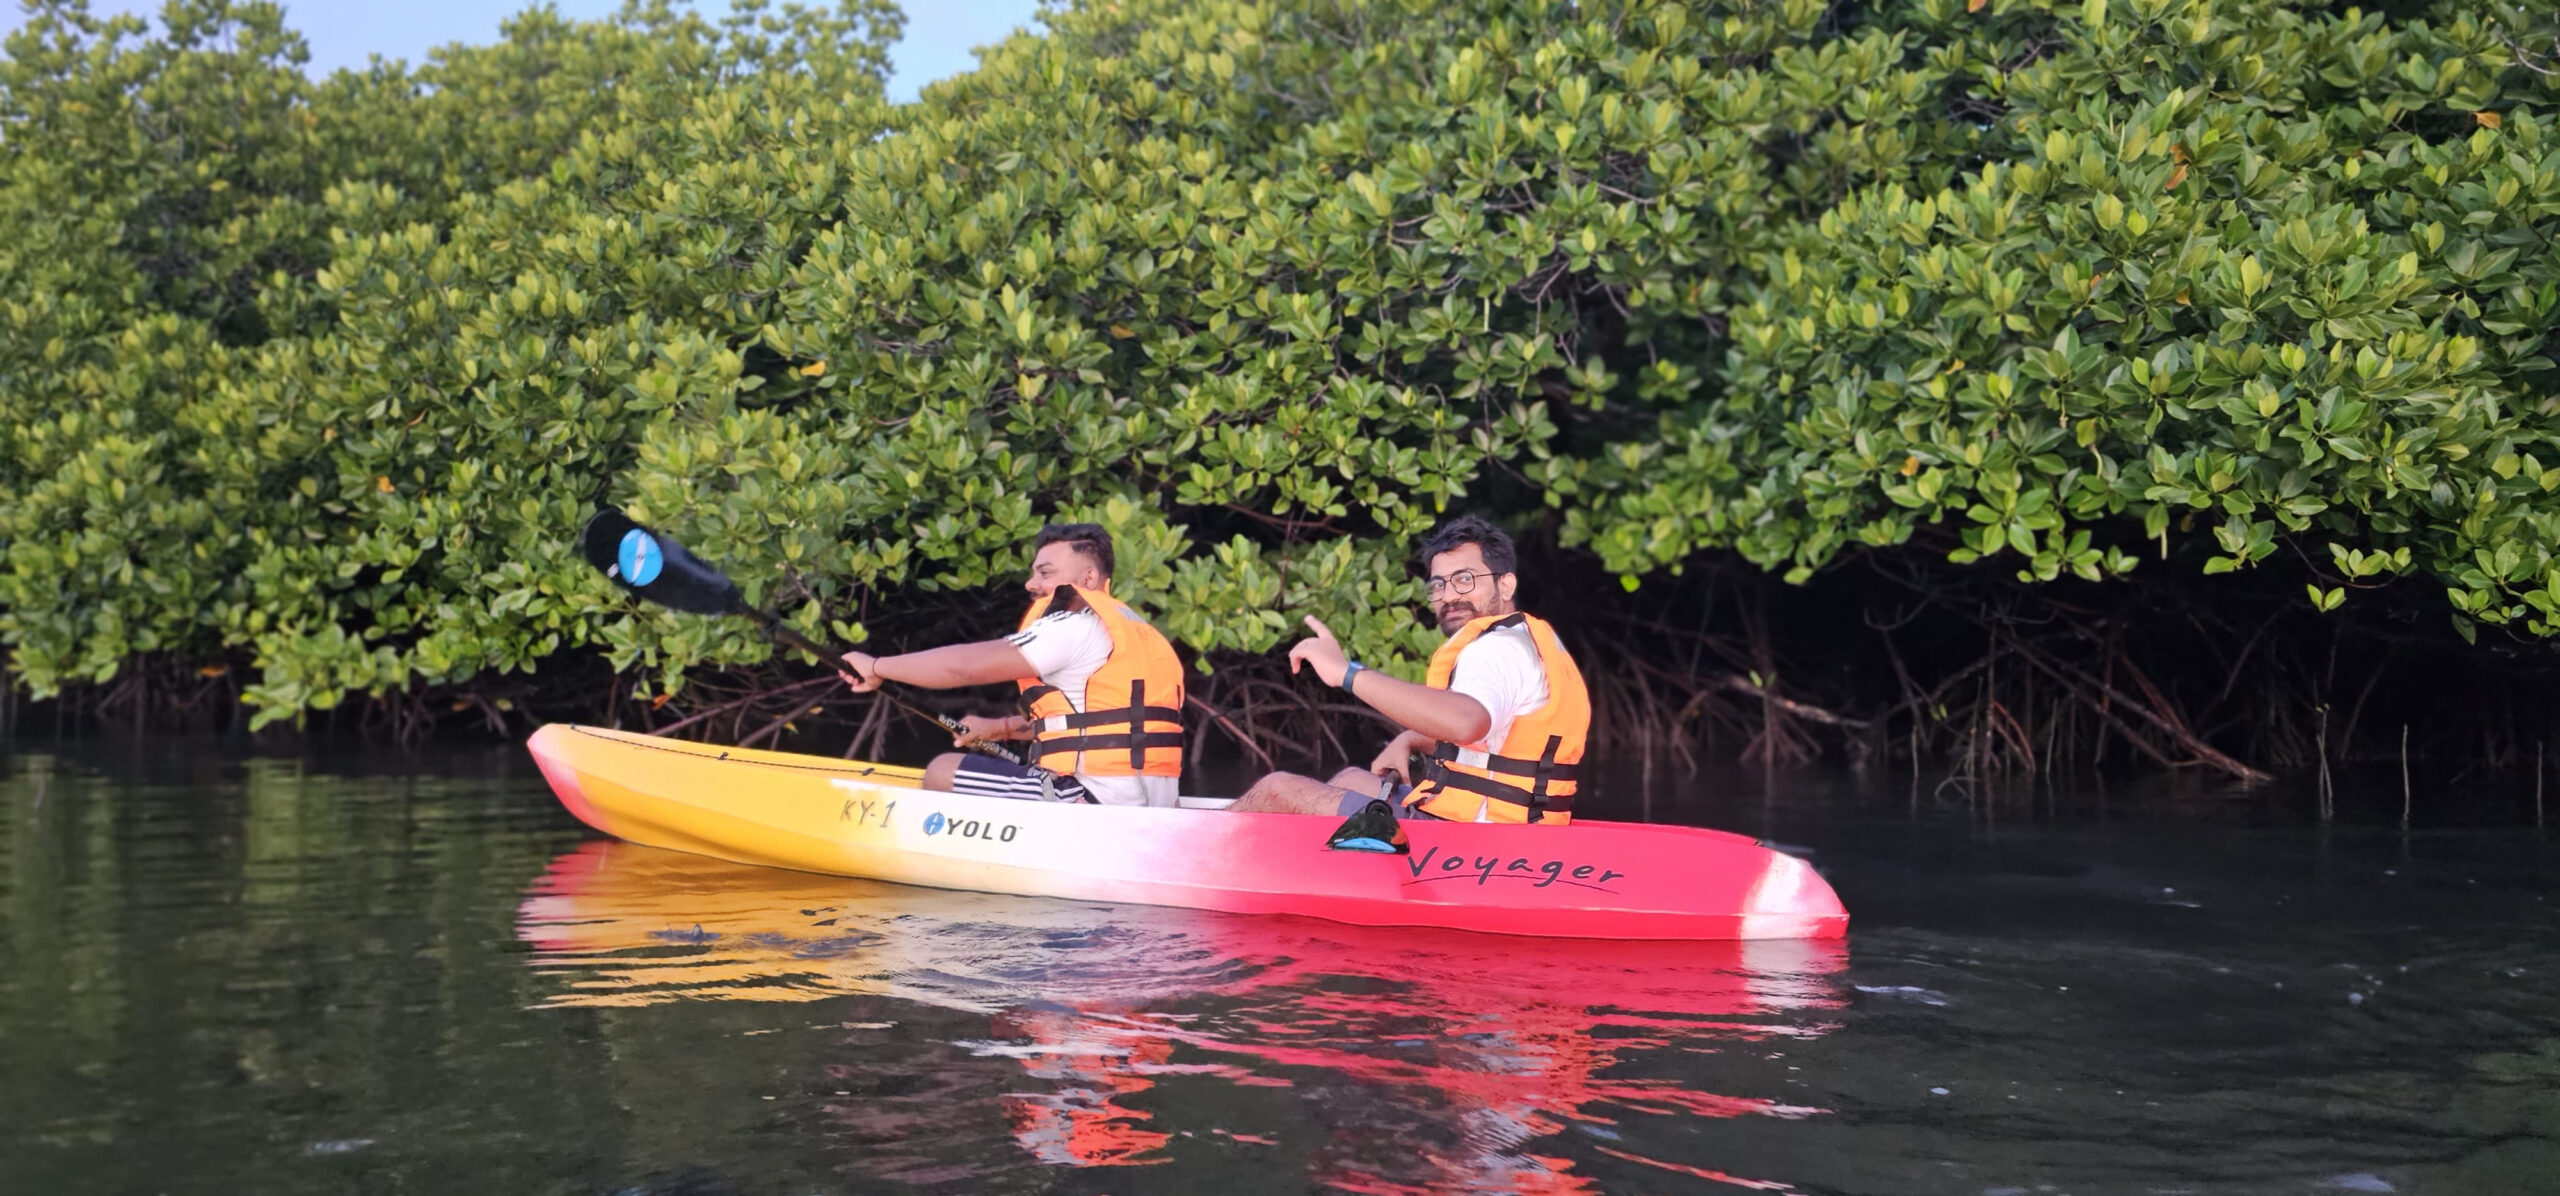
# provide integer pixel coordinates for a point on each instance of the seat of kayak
(1207, 803)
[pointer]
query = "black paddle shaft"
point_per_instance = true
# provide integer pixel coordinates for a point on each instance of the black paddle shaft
(660, 570)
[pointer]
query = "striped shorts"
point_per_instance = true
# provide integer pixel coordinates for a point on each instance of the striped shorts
(986, 776)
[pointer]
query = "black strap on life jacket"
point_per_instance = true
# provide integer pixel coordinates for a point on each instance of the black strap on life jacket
(1144, 741)
(1547, 766)
(1544, 769)
(1538, 797)
(1122, 727)
(1138, 724)
(1078, 721)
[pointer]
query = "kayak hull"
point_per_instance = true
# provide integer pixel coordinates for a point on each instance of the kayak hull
(1591, 879)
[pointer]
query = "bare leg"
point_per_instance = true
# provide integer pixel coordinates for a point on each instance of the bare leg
(1357, 780)
(937, 775)
(1289, 793)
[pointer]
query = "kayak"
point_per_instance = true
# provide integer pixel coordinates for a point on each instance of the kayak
(1590, 879)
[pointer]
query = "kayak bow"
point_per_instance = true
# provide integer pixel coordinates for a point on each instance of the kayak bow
(1591, 879)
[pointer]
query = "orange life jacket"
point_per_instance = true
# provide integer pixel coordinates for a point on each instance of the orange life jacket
(1529, 777)
(1120, 732)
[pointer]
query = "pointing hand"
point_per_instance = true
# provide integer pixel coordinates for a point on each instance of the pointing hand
(1321, 652)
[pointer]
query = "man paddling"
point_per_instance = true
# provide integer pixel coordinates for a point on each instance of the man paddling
(1501, 716)
(1101, 689)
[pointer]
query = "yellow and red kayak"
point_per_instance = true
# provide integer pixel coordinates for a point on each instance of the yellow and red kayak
(1591, 879)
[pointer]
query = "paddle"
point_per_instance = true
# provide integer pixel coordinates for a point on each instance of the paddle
(660, 570)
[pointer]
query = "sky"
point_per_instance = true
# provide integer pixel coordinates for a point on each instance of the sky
(941, 34)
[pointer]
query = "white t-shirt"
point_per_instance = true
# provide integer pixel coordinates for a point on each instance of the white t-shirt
(1067, 648)
(1500, 671)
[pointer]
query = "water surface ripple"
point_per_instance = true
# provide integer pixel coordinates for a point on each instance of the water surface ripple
(222, 974)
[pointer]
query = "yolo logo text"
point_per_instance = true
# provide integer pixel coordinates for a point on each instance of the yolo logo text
(970, 828)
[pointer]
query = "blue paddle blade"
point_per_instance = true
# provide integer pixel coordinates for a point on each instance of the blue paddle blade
(649, 564)
(639, 559)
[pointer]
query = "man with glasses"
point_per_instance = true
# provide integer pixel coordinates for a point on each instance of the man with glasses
(1500, 718)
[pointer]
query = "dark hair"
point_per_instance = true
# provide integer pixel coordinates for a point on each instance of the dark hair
(1086, 538)
(1495, 543)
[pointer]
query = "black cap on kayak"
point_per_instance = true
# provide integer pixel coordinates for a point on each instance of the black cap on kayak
(1374, 828)
(655, 567)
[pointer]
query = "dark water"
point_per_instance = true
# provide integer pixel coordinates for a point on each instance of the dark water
(359, 975)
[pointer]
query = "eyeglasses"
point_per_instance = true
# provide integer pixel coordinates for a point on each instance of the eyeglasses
(1463, 582)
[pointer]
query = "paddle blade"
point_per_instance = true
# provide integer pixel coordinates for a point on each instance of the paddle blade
(1374, 828)
(655, 567)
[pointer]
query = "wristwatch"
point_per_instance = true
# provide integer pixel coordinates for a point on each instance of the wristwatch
(1350, 669)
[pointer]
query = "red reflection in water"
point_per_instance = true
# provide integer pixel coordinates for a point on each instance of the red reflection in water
(1082, 1122)
(1429, 1060)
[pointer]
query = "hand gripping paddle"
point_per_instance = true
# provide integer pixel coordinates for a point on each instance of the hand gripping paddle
(660, 570)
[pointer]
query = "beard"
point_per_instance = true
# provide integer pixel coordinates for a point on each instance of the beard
(1455, 614)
